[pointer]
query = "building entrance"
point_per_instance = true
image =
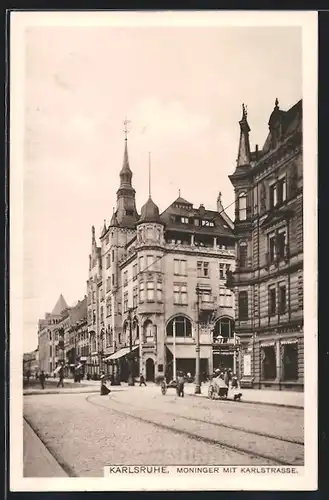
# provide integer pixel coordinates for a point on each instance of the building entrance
(150, 370)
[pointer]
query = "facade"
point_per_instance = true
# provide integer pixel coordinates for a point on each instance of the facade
(155, 282)
(268, 278)
(48, 337)
(31, 362)
(59, 336)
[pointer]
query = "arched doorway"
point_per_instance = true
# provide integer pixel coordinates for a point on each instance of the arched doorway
(150, 370)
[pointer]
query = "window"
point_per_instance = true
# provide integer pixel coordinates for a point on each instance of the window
(243, 255)
(108, 284)
(271, 249)
(107, 240)
(221, 272)
(159, 291)
(125, 302)
(271, 301)
(180, 293)
(242, 206)
(180, 267)
(102, 314)
(134, 271)
(290, 361)
(281, 245)
(94, 317)
(180, 326)
(108, 260)
(141, 292)
(225, 297)
(184, 220)
(108, 307)
(282, 299)
(135, 297)
(94, 297)
(113, 280)
(125, 278)
(196, 222)
(205, 296)
(273, 196)
(300, 291)
(50, 351)
(150, 290)
(141, 264)
(112, 255)
(149, 262)
(243, 306)
(281, 190)
(203, 269)
(207, 223)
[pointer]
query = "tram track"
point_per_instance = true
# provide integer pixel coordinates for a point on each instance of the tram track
(288, 451)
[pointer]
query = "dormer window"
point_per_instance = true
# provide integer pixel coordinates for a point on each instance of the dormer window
(208, 223)
(184, 220)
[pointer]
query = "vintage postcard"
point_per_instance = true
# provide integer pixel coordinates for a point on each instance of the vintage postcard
(163, 196)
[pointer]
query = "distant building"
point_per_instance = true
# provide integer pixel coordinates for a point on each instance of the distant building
(142, 283)
(59, 336)
(31, 362)
(268, 278)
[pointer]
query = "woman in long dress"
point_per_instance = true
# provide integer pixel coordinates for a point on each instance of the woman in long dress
(104, 389)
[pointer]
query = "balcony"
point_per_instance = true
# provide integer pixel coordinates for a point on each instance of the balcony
(201, 249)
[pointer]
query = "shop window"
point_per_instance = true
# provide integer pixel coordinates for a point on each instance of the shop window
(290, 361)
(269, 363)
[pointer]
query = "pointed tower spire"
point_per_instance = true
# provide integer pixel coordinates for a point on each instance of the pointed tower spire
(244, 144)
(126, 213)
(93, 237)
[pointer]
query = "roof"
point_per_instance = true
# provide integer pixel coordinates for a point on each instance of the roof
(182, 201)
(149, 212)
(168, 217)
(59, 306)
(290, 121)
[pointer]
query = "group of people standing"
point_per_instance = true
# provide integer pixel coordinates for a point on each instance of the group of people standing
(230, 378)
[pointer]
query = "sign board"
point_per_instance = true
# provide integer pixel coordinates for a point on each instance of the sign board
(247, 365)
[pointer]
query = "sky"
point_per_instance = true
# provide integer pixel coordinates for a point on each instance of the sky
(182, 90)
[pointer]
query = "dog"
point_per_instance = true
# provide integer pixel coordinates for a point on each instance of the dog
(237, 397)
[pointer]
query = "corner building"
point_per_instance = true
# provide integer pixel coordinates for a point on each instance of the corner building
(142, 298)
(268, 278)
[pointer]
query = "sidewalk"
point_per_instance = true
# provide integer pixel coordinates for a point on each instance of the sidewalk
(38, 461)
(289, 399)
(70, 387)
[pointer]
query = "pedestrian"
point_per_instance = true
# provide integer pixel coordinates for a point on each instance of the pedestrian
(234, 383)
(104, 389)
(61, 378)
(180, 384)
(226, 378)
(42, 378)
(142, 380)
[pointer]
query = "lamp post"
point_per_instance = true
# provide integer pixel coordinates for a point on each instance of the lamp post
(131, 380)
(197, 389)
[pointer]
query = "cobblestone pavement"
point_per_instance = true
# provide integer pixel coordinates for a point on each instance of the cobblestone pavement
(86, 437)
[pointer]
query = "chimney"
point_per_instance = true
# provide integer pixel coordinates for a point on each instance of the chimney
(256, 151)
(201, 209)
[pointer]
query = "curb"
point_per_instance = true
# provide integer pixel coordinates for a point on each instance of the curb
(64, 466)
(74, 391)
(294, 407)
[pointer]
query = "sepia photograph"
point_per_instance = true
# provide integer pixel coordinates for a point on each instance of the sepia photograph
(163, 325)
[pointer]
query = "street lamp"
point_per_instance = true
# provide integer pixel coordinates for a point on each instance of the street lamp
(197, 389)
(131, 380)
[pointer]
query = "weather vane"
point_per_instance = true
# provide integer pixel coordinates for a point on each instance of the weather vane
(126, 123)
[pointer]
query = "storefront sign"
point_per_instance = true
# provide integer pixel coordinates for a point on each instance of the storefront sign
(247, 365)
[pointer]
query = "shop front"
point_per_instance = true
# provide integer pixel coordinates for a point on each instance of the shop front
(121, 362)
(185, 356)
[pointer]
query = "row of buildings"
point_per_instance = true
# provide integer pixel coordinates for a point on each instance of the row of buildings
(157, 282)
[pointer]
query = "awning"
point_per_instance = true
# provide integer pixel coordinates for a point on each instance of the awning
(57, 369)
(290, 341)
(83, 358)
(187, 351)
(79, 366)
(119, 354)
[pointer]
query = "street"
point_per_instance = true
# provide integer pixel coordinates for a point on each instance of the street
(139, 426)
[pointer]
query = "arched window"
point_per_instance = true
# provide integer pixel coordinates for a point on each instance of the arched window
(135, 329)
(242, 206)
(148, 331)
(223, 330)
(179, 326)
